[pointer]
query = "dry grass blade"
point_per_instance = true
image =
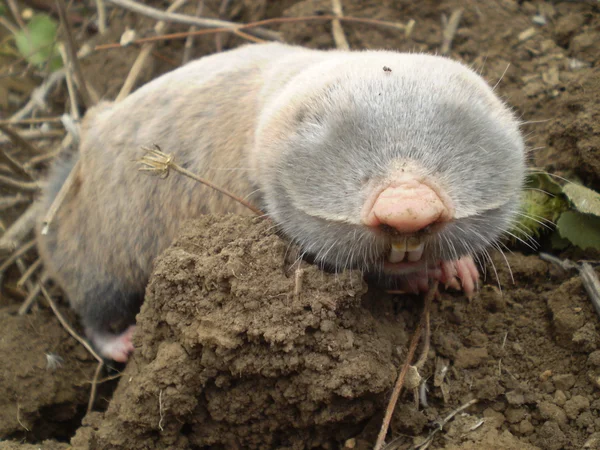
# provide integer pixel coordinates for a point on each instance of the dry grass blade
(400, 381)
(158, 163)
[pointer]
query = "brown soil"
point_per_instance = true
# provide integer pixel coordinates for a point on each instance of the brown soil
(227, 356)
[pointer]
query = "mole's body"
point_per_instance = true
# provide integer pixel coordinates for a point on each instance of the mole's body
(405, 170)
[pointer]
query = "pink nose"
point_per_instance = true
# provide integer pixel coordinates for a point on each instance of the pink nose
(408, 207)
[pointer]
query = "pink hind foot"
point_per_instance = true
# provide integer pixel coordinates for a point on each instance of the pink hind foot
(115, 347)
(458, 274)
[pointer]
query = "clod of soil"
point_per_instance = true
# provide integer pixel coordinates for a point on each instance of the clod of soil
(228, 354)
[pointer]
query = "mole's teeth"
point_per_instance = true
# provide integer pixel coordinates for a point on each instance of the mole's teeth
(415, 255)
(397, 251)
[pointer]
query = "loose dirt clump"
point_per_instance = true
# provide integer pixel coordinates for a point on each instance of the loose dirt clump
(44, 377)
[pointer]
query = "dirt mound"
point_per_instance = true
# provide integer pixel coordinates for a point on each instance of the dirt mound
(228, 354)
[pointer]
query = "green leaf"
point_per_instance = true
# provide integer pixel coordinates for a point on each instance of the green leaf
(2, 10)
(543, 181)
(584, 199)
(38, 42)
(582, 230)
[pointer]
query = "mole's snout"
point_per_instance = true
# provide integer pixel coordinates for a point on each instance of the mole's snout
(407, 207)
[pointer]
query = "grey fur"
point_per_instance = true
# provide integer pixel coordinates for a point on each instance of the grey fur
(303, 132)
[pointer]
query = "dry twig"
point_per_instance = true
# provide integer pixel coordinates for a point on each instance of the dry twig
(400, 381)
(17, 254)
(407, 28)
(189, 42)
(146, 50)
(79, 339)
(219, 36)
(442, 422)
(588, 275)
(29, 272)
(33, 135)
(336, 26)
(449, 31)
(27, 186)
(72, 55)
(39, 94)
(18, 141)
(9, 202)
(190, 20)
(101, 7)
(70, 86)
(159, 163)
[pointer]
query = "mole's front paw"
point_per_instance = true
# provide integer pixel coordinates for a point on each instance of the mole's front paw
(461, 273)
(116, 347)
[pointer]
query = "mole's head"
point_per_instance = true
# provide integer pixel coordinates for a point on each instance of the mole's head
(396, 168)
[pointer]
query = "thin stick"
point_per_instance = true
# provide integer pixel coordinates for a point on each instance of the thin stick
(189, 20)
(9, 26)
(27, 186)
(189, 42)
(66, 325)
(9, 202)
(94, 387)
(20, 251)
(34, 120)
(400, 381)
(72, 53)
(219, 36)
(159, 163)
(407, 28)
(64, 190)
(450, 31)
(101, 16)
(143, 55)
(589, 279)
(33, 294)
(43, 157)
(15, 12)
(30, 271)
(70, 85)
(39, 94)
(339, 36)
(18, 141)
(33, 135)
(591, 284)
(441, 423)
